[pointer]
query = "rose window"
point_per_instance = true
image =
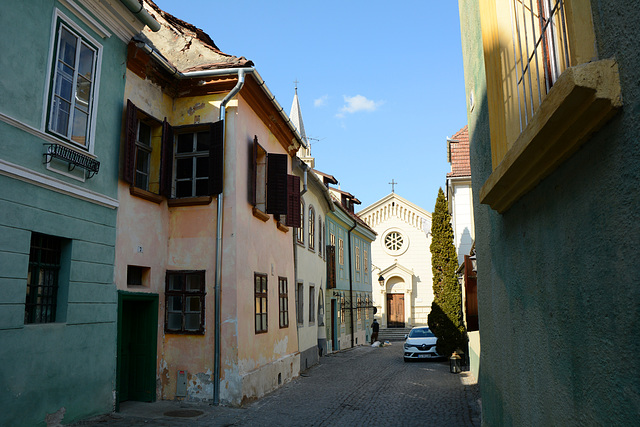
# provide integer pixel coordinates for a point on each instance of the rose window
(393, 241)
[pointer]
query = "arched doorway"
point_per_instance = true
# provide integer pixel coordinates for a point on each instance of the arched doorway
(395, 303)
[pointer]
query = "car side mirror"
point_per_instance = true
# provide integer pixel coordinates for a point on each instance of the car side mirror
(406, 336)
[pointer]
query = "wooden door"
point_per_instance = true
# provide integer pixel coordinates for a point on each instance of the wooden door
(138, 322)
(395, 310)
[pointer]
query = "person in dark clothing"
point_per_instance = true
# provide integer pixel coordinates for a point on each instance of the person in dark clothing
(376, 327)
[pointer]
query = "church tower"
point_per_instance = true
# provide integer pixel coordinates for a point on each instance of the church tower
(304, 153)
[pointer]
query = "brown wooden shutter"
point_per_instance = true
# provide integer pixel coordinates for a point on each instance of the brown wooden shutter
(129, 167)
(277, 183)
(331, 266)
(293, 201)
(253, 171)
(216, 158)
(166, 159)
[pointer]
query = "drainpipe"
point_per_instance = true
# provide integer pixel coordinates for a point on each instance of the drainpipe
(218, 268)
(139, 12)
(351, 282)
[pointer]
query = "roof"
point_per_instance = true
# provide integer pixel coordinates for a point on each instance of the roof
(191, 49)
(458, 154)
(359, 221)
(328, 179)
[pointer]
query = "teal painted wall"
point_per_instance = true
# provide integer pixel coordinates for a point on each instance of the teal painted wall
(71, 363)
(559, 307)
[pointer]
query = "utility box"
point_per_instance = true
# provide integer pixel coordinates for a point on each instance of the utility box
(181, 384)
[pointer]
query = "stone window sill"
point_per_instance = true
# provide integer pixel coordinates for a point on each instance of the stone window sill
(189, 201)
(581, 101)
(144, 194)
(260, 215)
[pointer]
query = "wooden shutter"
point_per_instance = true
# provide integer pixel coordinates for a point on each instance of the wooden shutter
(293, 201)
(129, 167)
(277, 183)
(166, 159)
(216, 158)
(331, 266)
(253, 171)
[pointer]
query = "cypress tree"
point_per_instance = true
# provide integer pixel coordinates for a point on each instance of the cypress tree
(445, 318)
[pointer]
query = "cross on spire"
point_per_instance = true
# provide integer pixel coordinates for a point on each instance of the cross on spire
(393, 185)
(296, 83)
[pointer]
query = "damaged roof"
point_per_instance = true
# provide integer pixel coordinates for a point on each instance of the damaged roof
(185, 46)
(458, 154)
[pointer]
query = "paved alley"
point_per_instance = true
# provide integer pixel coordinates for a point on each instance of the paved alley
(363, 386)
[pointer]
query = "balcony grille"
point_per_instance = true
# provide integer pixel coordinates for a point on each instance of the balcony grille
(73, 157)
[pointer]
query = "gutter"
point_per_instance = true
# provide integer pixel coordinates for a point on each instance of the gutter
(140, 12)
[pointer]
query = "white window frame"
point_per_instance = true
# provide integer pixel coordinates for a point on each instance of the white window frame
(47, 111)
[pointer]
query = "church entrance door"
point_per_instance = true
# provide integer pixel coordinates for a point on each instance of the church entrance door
(395, 310)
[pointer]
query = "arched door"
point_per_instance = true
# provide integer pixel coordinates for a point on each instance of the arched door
(395, 310)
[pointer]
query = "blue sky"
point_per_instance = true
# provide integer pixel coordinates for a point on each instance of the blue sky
(381, 84)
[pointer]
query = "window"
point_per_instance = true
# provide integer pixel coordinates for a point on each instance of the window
(312, 228)
(273, 190)
(184, 304)
(42, 279)
(331, 266)
(357, 258)
(359, 314)
(180, 162)
(300, 303)
(260, 281)
(284, 301)
(320, 245)
(341, 251)
(536, 53)
(192, 164)
(300, 229)
(312, 304)
(343, 308)
(393, 241)
(74, 74)
(366, 261)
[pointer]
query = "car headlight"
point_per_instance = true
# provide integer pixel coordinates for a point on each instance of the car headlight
(406, 346)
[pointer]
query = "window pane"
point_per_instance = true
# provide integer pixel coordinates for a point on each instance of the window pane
(203, 141)
(258, 305)
(264, 321)
(202, 167)
(67, 51)
(185, 143)
(79, 131)
(175, 303)
(176, 282)
(183, 189)
(264, 305)
(64, 82)
(60, 116)
(202, 187)
(194, 282)
(184, 168)
(192, 321)
(258, 327)
(85, 67)
(174, 321)
(142, 181)
(193, 304)
(144, 134)
(142, 161)
(83, 94)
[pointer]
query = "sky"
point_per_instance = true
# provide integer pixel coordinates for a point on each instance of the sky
(380, 83)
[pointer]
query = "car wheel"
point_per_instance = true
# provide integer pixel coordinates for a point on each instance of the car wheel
(405, 359)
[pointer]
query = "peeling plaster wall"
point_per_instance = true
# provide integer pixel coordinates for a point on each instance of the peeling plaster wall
(251, 245)
(172, 238)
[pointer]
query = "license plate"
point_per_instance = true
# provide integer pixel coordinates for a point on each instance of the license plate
(423, 356)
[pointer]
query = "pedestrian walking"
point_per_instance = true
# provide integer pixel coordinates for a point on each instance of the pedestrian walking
(376, 327)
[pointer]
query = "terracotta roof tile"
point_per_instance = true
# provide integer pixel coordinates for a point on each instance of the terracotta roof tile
(459, 154)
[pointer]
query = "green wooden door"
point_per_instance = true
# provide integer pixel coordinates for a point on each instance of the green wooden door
(138, 322)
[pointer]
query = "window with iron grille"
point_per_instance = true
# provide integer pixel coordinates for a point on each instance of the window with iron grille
(42, 279)
(284, 301)
(260, 283)
(343, 308)
(184, 305)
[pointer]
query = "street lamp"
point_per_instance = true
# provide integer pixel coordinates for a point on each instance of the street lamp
(381, 280)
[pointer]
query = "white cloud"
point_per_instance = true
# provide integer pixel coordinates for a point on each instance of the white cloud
(321, 102)
(353, 104)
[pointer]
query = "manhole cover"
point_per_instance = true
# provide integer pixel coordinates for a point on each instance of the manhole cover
(183, 413)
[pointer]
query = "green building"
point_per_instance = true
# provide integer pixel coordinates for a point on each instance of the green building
(61, 106)
(553, 103)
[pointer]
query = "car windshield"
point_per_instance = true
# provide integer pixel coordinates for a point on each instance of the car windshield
(421, 333)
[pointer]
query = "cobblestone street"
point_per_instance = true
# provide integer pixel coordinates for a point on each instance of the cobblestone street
(363, 386)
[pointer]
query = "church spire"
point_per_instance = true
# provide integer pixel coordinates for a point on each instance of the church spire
(296, 118)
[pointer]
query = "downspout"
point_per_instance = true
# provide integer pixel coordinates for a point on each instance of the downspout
(355, 224)
(218, 268)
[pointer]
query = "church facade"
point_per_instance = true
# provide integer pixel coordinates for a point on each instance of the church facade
(401, 261)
